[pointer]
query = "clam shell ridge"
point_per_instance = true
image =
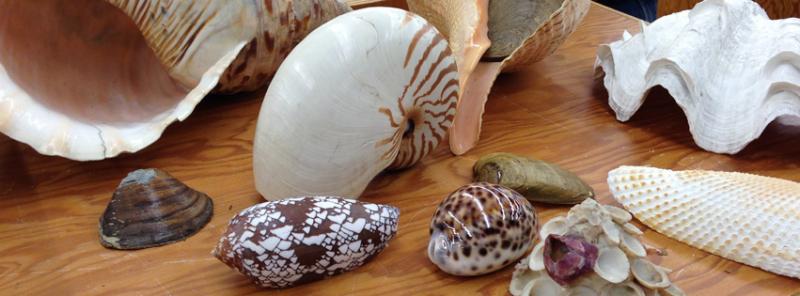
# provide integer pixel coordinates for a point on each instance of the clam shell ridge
(151, 208)
(116, 73)
(751, 219)
(697, 56)
(372, 89)
(293, 241)
(480, 228)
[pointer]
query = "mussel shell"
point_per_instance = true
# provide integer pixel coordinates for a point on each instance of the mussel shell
(298, 240)
(537, 180)
(481, 228)
(151, 208)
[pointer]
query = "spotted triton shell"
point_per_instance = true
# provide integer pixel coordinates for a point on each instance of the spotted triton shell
(293, 241)
(747, 218)
(481, 228)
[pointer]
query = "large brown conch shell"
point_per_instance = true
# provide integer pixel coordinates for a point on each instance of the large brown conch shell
(151, 208)
(89, 79)
(516, 41)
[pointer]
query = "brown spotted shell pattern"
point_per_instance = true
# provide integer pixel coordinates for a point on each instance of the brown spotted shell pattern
(481, 228)
(293, 241)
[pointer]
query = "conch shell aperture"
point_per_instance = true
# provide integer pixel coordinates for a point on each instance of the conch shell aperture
(90, 79)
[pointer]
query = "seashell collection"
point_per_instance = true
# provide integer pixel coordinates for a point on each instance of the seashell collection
(594, 250)
(731, 78)
(353, 94)
(537, 180)
(481, 228)
(288, 242)
(747, 218)
(151, 208)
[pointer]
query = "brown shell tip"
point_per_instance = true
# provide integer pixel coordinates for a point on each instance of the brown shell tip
(151, 208)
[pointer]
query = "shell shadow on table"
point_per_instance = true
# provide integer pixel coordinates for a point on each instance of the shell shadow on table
(662, 117)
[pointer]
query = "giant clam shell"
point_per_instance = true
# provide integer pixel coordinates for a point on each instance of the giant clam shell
(537, 180)
(751, 219)
(329, 125)
(727, 65)
(293, 241)
(151, 208)
(596, 255)
(522, 32)
(107, 77)
(480, 228)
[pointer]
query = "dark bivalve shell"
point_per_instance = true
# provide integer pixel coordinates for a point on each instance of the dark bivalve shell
(481, 228)
(298, 240)
(151, 208)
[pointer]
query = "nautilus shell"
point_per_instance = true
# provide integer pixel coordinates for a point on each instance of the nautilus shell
(521, 32)
(481, 228)
(293, 241)
(151, 208)
(89, 79)
(372, 89)
(594, 250)
(728, 66)
(751, 219)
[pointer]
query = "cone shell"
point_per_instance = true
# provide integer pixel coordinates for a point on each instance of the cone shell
(746, 218)
(293, 241)
(329, 125)
(116, 73)
(481, 228)
(151, 208)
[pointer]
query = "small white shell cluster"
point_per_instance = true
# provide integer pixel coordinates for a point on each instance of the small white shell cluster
(620, 268)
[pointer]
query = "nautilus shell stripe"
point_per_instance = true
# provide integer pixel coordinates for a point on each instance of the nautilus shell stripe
(372, 89)
(751, 219)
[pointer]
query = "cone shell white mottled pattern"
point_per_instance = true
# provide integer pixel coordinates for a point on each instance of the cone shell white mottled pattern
(751, 219)
(728, 66)
(372, 89)
(293, 241)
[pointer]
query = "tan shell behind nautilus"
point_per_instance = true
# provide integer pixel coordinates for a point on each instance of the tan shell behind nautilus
(371, 89)
(465, 24)
(90, 79)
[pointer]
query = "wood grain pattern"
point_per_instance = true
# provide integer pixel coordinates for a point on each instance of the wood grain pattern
(555, 110)
(776, 9)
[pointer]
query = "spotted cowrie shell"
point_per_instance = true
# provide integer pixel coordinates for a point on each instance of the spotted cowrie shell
(481, 228)
(298, 240)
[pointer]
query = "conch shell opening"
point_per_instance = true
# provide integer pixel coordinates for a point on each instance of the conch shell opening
(90, 79)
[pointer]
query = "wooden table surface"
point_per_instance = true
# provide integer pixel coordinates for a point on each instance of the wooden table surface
(555, 111)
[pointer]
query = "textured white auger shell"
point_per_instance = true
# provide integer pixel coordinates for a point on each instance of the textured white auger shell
(729, 67)
(751, 219)
(336, 111)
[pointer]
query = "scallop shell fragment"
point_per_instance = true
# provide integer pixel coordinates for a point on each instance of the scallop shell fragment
(329, 125)
(615, 267)
(747, 218)
(114, 74)
(293, 241)
(151, 208)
